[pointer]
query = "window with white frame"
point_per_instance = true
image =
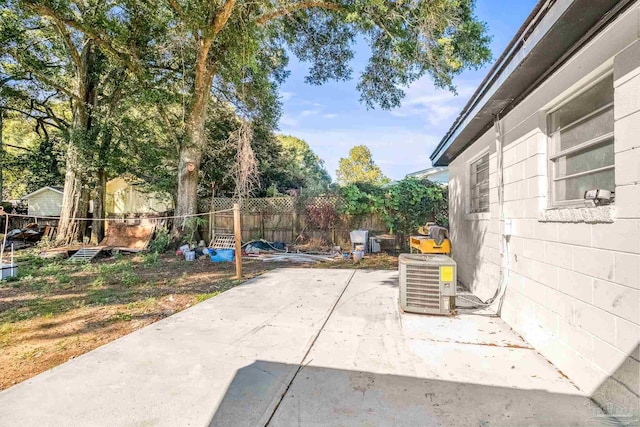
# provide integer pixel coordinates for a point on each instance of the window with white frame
(479, 184)
(581, 144)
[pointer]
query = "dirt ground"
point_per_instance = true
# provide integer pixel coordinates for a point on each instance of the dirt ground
(56, 311)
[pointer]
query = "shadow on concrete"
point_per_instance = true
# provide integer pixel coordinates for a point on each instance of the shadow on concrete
(619, 394)
(325, 396)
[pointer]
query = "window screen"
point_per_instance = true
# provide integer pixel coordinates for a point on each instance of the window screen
(480, 184)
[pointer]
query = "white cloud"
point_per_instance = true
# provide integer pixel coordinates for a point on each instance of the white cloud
(288, 121)
(307, 113)
(295, 119)
(434, 105)
(286, 96)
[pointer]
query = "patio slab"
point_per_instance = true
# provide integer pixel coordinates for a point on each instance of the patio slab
(305, 347)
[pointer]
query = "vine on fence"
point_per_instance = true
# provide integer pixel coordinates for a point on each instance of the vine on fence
(404, 205)
(323, 216)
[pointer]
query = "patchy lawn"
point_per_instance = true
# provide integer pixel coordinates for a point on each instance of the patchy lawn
(56, 311)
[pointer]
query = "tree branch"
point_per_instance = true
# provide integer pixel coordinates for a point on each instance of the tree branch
(221, 18)
(37, 118)
(6, 144)
(310, 4)
(46, 80)
(178, 9)
(66, 38)
(101, 41)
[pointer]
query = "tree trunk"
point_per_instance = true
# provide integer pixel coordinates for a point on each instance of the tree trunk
(100, 191)
(75, 197)
(67, 231)
(191, 156)
(1, 156)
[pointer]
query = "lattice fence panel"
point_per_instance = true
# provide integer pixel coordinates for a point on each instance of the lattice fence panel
(284, 204)
(266, 204)
(317, 202)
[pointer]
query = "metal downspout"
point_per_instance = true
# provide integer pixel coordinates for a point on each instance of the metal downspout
(505, 237)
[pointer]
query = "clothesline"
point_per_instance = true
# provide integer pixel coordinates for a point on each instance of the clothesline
(113, 219)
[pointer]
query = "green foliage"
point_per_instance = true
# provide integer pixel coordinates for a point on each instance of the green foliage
(30, 160)
(149, 68)
(191, 226)
(359, 167)
(361, 199)
(404, 206)
(410, 203)
(161, 241)
(150, 259)
(129, 278)
(302, 167)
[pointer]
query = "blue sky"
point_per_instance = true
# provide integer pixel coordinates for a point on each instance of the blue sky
(332, 120)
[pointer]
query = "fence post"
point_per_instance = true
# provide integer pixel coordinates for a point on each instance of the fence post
(212, 215)
(238, 237)
(262, 235)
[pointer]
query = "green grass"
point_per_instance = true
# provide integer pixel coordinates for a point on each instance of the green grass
(45, 283)
(204, 297)
(129, 278)
(120, 317)
(144, 304)
(39, 307)
(33, 353)
(6, 329)
(115, 268)
(60, 346)
(150, 259)
(108, 296)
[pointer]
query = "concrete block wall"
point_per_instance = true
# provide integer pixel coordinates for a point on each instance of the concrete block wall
(573, 284)
(475, 237)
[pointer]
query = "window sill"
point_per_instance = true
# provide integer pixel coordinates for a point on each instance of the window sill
(477, 216)
(589, 215)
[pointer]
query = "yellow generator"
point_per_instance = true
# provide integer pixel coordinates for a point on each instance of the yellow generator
(431, 239)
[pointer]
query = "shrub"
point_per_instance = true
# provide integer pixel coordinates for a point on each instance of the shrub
(404, 205)
(161, 242)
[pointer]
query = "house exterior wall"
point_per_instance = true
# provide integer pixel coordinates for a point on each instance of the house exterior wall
(45, 203)
(124, 198)
(573, 288)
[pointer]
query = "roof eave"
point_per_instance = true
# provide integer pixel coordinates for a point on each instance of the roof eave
(549, 36)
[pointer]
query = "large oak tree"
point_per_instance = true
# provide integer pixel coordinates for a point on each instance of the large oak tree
(236, 51)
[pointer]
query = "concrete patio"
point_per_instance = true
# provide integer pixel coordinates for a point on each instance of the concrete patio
(305, 347)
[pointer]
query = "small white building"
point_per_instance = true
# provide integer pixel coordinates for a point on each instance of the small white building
(128, 196)
(47, 201)
(558, 115)
(439, 174)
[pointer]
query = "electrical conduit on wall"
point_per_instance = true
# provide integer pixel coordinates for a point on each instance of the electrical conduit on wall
(505, 227)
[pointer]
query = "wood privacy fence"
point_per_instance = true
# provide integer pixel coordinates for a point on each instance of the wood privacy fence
(284, 219)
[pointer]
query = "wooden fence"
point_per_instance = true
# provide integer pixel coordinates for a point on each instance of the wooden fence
(284, 219)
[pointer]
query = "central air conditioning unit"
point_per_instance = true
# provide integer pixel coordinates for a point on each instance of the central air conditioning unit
(427, 283)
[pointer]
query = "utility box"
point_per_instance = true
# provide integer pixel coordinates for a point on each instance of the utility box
(427, 283)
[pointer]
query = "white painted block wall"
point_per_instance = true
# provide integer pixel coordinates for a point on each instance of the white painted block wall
(574, 287)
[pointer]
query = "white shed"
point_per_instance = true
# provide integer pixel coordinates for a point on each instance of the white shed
(46, 201)
(125, 196)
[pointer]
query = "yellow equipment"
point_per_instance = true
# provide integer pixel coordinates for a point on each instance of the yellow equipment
(432, 240)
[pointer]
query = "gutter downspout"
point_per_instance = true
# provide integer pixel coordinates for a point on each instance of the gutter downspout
(505, 225)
